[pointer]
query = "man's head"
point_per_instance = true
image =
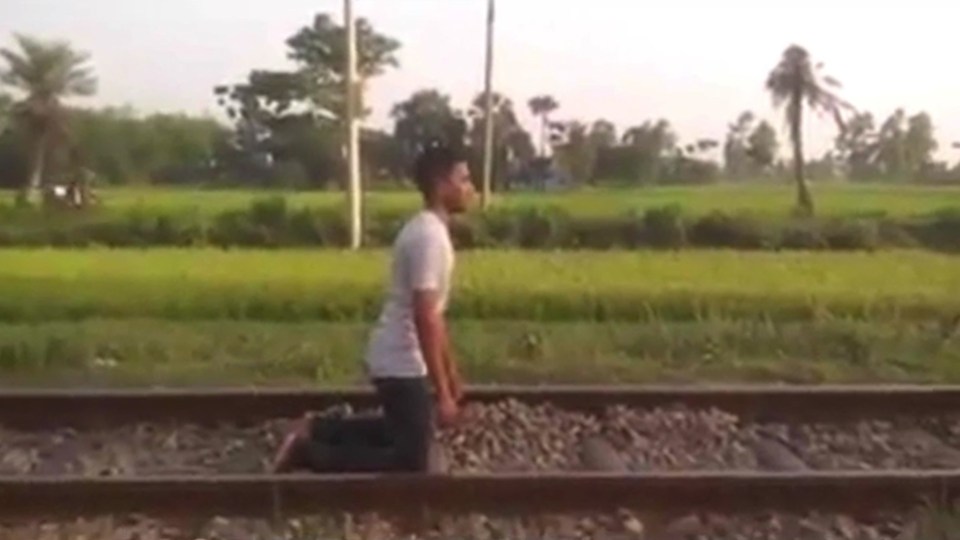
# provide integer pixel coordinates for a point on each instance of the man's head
(443, 177)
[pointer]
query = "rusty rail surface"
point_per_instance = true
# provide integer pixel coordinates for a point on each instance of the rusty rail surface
(43, 408)
(283, 496)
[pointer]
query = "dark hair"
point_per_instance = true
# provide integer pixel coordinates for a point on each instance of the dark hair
(434, 163)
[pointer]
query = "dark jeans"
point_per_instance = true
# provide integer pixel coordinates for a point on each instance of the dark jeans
(398, 440)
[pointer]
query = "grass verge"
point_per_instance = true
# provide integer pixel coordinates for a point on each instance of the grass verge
(155, 352)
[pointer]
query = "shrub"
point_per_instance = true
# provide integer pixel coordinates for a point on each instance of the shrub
(802, 234)
(664, 227)
(270, 222)
(894, 234)
(380, 229)
(851, 235)
(718, 229)
(600, 233)
(541, 228)
(942, 230)
(499, 228)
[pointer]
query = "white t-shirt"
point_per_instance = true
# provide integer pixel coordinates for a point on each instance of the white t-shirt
(422, 260)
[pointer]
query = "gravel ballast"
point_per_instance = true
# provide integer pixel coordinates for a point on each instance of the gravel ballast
(512, 437)
(617, 525)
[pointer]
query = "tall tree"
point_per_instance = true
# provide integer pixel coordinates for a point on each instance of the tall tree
(892, 150)
(658, 135)
(260, 108)
(762, 146)
(578, 154)
(511, 143)
(689, 164)
(603, 134)
(649, 143)
(542, 106)
(6, 104)
(383, 157)
(13, 168)
(319, 55)
(320, 52)
(735, 157)
(46, 73)
(705, 145)
(857, 147)
(123, 147)
(794, 82)
(919, 143)
(289, 113)
(424, 118)
(504, 122)
(750, 148)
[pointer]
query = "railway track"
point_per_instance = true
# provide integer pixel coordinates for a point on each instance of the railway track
(266, 495)
(44, 408)
(668, 492)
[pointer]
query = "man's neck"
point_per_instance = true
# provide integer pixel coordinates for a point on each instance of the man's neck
(439, 211)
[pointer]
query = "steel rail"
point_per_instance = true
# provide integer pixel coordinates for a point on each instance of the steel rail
(43, 408)
(283, 496)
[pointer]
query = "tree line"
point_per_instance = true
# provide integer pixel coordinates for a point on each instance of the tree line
(284, 130)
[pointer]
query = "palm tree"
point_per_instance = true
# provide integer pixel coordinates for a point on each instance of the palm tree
(46, 73)
(793, 82)
(542, 106)
(5, 106)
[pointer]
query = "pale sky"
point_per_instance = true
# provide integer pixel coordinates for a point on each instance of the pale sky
(698, 63)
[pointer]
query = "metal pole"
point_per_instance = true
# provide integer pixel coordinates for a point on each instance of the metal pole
(352, 128)
(488, 111)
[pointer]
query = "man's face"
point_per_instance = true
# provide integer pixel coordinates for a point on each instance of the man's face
(456, 191)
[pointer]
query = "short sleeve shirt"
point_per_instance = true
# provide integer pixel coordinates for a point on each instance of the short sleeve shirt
(423, 259)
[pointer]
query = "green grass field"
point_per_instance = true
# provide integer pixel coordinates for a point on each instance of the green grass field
(41, 285)
(151, 352)
(832, 199)
(206, 316)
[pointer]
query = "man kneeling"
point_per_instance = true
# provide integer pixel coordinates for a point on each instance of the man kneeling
(409, 349)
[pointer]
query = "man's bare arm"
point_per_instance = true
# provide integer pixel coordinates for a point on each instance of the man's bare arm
(453, 370)
(432, 335)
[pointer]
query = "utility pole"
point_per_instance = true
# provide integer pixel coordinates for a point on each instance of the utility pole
(488, 112)
(352, 130)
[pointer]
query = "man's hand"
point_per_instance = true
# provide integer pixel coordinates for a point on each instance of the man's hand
(447, 411)
(432, 334)
(453, 376)
(456, 388)
(454, 381)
